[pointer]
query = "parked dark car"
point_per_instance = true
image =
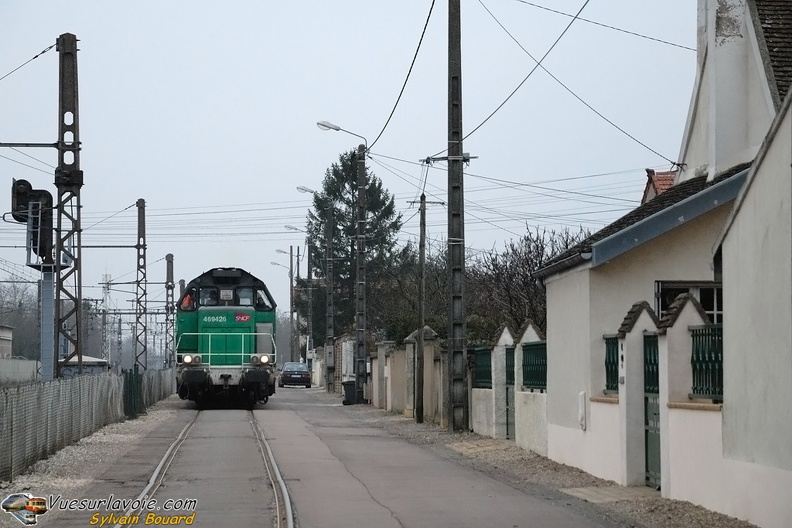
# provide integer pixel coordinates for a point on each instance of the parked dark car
(294, 373)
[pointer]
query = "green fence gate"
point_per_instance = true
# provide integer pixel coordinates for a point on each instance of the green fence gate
(652, 410)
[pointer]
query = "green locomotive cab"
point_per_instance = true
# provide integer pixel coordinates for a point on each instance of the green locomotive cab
(225, 338)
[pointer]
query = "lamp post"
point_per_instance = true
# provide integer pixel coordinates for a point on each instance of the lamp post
(329, 306)
(309, 315)
(360, 279)
(294, 315)
(291, 302)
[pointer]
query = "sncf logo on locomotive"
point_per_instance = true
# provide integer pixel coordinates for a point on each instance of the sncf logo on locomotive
(242, 318)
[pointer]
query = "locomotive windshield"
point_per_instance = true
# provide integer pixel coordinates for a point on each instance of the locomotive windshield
(207, 296)
(226, 296)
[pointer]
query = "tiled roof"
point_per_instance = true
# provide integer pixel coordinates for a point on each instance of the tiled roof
(674, 195)
(632, 317)
(675, 309)
(775, 19)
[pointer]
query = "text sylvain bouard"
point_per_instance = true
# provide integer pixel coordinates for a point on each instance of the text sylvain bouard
(151, 519)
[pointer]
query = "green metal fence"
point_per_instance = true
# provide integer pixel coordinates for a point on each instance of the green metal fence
(534, 365)
(482, 368)
(611, 364)
(133, 393)
(510, 366)
(706, 362)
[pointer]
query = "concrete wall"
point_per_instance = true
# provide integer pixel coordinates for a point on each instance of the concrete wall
(396, 380)
(17, 371)
(483, 419)
(530, 430)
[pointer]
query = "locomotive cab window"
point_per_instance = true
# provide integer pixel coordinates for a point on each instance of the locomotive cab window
(263, 302)
(208, 296)
(187, 302)
(244, 296)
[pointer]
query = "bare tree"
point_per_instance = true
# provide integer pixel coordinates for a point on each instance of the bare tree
(502, 288)
(19, 310)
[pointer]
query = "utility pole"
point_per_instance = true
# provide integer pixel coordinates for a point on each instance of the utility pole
(309, 315)
(141, 346)
(105, 330)
(456, 364)
(68, 181)
(170, 310)
(419, 360)
(296, 355)
(119, 343)
(360, 351)
(329, 307)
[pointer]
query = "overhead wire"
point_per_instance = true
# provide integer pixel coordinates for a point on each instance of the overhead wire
(539, 62)
(633, 33)
(25, 164)
(39, 54)
(111, 216)
(568, 89)
(404, 85)
(33, 158)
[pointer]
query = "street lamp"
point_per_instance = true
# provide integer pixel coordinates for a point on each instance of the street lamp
(294, 317)
(329, 347)
(360, 279)
(291, 303)
(309, 315)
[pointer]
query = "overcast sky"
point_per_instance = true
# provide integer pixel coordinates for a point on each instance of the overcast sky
(208, 111)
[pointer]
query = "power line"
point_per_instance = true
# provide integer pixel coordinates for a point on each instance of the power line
(661, 41)
(415, 56)
(32, 157)
(25, 164)
(111, 216)
(576, 96)
(539, 62)
(39, 54)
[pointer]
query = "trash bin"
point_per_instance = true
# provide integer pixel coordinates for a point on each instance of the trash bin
(349, 392)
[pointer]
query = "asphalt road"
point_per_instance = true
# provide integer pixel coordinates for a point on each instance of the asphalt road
(343, 472)
(341, 469)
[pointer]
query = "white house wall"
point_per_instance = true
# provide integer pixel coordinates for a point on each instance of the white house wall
(584, 305)
(682, 254)
(703, 476)
(567, 336)
(757, 279)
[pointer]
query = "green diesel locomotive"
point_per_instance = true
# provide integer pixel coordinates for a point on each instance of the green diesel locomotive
(225, 339)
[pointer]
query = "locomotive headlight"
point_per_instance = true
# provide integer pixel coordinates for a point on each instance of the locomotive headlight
(187, 359)
(265, 359)
(196, 360)
(254, 360)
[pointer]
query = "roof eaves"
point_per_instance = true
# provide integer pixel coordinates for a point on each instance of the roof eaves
(667, 219)
(562, 265)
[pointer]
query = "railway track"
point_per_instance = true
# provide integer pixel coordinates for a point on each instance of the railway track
(281, 502)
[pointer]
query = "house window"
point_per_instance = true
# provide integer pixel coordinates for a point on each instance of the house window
(708, 294)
